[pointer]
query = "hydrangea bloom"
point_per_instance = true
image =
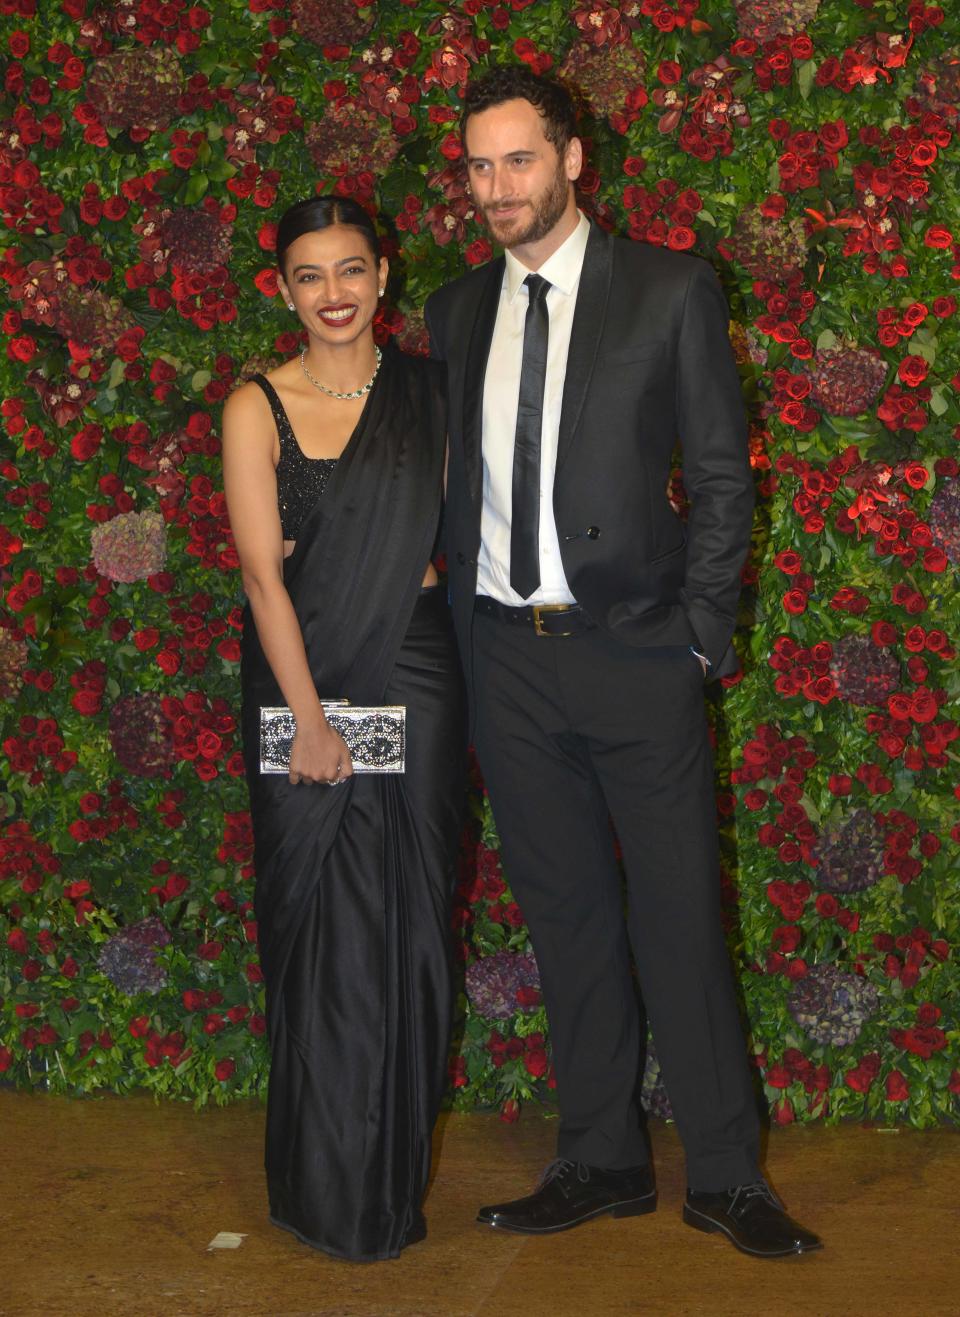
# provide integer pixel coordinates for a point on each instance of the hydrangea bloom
(492, 983)
(13, 659)
(128, 959)
(864, 673)
(329, 22)
(136, 88)
(845, 381)
(849, 854)
(351, 137)
(944, 518)
(832, 1006)
(130, 547)
(197, 239)
(654, 1097)
(764, 19)
(603, 76)
(140, 734)
(768, 248)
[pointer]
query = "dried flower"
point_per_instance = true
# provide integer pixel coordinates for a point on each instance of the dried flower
(136, 88)
(846, 381)
(831, 1006)
(130, 547)
(352, 137)
(413, 337)
(764, 19)
(944, 518)
(259, 364)
(329, 22)
(769, 248)
(13, 660)
(849, 854)
(140, 734)
(492, 983)
(128, 959)
(92, 318)
(605, 75)
(938, 85)
(196, 239)
(863, 672)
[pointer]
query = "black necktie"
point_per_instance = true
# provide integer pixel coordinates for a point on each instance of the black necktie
(525, 511)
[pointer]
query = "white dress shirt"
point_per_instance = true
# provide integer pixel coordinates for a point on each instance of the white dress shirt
(501, 391)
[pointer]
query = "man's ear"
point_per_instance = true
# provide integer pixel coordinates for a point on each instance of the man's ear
(573, 158)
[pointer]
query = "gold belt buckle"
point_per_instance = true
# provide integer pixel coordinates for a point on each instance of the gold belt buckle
(538, 609)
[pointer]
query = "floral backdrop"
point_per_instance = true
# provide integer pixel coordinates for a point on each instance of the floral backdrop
(147, 149)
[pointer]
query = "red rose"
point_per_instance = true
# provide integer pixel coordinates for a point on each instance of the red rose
(681, 238)
(510, 1111)
(834, 135)
(913, 370)
(224, 1069)
(896, 1087)
(536, 1062)
(795, 602)
(938, 236)
(17, 941)
(266, 281)
(22, 348)
(478, 252)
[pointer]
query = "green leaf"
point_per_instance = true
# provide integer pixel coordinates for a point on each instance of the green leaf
(805, 76)
(196, 187)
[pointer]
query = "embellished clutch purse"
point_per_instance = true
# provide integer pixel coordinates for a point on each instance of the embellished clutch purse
(375, 735)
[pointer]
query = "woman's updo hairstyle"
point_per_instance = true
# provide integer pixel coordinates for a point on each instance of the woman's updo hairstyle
(316, 213)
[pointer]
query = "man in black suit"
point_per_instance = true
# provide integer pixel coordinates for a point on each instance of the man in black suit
(588, 617)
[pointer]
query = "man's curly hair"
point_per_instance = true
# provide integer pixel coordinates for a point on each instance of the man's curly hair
(516, 82)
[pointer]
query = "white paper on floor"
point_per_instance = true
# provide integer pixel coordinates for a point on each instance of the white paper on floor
(225, 1239)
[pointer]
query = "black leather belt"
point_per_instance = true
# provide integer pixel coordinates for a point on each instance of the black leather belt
(545, 619)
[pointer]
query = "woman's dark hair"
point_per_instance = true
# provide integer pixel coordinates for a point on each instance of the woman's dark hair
(516, 82)
(316, 213)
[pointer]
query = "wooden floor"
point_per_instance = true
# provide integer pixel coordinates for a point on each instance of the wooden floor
(107, 1207)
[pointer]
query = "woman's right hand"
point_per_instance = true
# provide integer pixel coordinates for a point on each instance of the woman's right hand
(319, 754)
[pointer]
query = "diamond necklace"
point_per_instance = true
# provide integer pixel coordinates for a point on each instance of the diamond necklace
(332, 393)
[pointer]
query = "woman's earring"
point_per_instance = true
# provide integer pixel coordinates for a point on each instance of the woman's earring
(291, 306)
(382, 291)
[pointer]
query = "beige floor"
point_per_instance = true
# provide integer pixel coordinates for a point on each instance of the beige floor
(107, 1207)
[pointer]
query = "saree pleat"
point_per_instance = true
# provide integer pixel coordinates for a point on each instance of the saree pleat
(354, 883)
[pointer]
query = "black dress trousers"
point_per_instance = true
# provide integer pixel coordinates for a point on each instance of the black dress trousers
(572, 732)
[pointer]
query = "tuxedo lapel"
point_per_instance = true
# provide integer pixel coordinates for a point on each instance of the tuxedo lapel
(588, 318)
(478, 351)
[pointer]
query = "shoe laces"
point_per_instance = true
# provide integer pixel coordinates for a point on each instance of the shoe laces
(745, 1195)
(563, 1167)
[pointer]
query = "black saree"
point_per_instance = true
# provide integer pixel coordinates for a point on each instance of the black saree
(354, 882)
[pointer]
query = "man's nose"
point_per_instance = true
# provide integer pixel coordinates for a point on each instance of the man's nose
(499, 186)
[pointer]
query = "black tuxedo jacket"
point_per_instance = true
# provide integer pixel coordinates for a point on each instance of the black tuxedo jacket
(650, 362)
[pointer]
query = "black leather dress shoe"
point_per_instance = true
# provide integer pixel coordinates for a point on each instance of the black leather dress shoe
(752, 1218)
(571, 1193)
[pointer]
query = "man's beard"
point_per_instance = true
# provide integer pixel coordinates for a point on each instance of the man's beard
(548, 210)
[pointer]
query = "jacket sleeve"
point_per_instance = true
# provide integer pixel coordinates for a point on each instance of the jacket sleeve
(716, 467)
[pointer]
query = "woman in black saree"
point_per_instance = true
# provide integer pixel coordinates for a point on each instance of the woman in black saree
(333, 471)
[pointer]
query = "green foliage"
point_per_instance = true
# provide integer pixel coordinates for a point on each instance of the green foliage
(126, 329)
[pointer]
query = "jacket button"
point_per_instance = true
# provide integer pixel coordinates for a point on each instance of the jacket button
(593, 532)
(461, 560)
